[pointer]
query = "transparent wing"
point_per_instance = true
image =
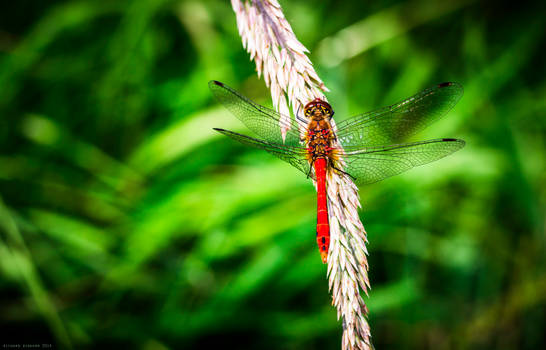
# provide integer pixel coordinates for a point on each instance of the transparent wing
(393, 124)
(375, 164)
(293, 155)
(265, 122)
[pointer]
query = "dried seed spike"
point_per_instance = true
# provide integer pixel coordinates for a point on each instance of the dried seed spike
(289, 73)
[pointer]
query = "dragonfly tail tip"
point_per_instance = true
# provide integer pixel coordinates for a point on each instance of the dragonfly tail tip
(324, 257)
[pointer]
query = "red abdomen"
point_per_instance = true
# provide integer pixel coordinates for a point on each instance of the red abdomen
(323, 228)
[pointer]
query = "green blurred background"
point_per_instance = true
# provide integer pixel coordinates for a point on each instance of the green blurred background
(126, 222)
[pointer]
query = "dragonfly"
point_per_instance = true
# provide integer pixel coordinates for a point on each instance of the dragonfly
(368, 147)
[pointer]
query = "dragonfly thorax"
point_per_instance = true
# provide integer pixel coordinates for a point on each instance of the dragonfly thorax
(319, 138)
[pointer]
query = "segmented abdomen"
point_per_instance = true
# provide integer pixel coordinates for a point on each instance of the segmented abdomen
(323, 227)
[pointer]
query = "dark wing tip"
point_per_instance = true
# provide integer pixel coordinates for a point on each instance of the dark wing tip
(219, 130)
(451, 84)
(216, 82)
(461, 143)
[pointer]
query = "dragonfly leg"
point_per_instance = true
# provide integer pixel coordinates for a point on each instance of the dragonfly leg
(310, 168)
(341, 171)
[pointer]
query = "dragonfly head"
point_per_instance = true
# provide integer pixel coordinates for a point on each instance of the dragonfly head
(318, 108)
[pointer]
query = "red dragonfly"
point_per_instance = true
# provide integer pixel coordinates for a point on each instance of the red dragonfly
(372, 147)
